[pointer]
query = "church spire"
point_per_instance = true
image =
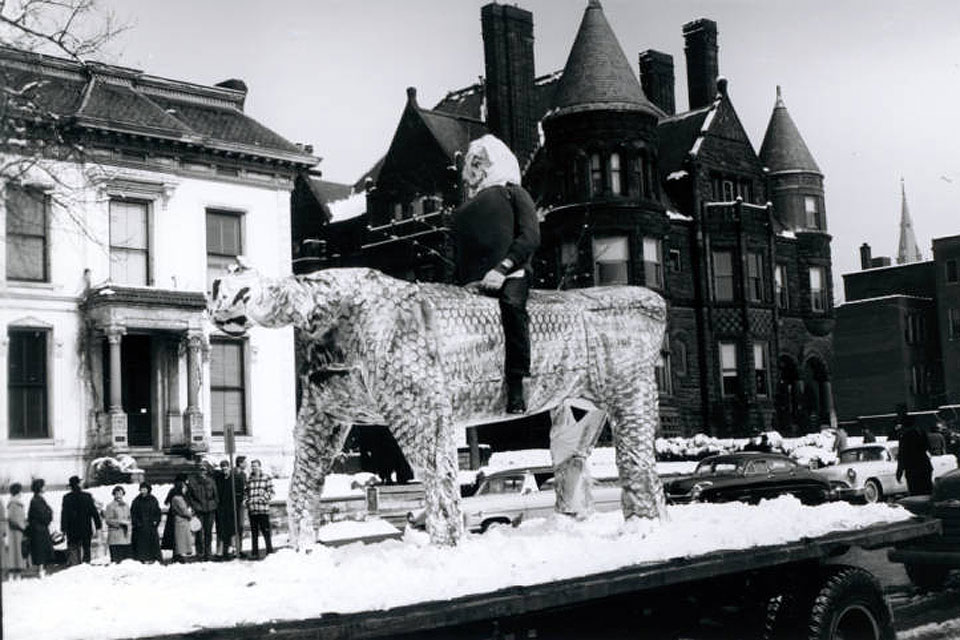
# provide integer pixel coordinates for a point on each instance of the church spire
(908, 250)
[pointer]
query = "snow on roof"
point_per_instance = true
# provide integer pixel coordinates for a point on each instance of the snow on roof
(675, 215)
(891, 266)
(352, 206)
(129, 599)
(705, 128)
(788, 233)
(677, 175)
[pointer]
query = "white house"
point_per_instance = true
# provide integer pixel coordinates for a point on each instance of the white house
(144, 190)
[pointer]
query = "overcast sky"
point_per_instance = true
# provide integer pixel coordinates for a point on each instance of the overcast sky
(873, 85)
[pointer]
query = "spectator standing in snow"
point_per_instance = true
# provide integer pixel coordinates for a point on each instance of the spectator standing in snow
(868, 436)
(14, 561)
(913, 459)
(179, 514)
(39, 517)
(202, 497)
(145, 516)
(116, 515)
(496, 232)
(259, 492)
(936, 441)
(77, 512)
(230, 492)
(241, 471)
(840, 442)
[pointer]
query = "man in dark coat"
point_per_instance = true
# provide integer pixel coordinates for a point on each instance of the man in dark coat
(496, 233)
(230, 494)
(913, 459)
(77, 512)
(203, 498)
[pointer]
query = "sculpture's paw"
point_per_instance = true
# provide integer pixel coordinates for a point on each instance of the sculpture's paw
(638, 526)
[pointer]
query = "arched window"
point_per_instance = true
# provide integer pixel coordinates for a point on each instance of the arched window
(596, 175)
(616, 185)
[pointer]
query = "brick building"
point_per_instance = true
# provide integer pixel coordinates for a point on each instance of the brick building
(630, 191)
(897, 337)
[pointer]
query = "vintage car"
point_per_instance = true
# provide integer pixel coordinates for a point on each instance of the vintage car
(869, 472)
(747, 477)
(508, 496)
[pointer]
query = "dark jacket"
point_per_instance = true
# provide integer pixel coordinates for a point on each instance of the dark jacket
(202, 494)
(39, 517)
(499, 222)
(145, 517)
(225, 513)
(76, 513)
(912, 454)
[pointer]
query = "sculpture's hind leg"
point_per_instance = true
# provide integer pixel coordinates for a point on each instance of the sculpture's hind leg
(318, 440)
(632, 402)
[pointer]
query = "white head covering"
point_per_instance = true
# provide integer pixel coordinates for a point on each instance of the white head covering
(489, 162)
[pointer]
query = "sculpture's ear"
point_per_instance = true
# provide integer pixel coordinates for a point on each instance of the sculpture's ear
(239, 266)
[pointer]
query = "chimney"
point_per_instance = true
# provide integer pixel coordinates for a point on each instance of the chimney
(238, 85)
(656, 79)
(508, 61)
(866, 260)
(703, 65)
(412, 96)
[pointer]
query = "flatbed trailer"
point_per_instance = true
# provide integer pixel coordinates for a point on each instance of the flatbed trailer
(788, 590)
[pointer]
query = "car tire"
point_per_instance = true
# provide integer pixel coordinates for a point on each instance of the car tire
(850, 604)
(927, 577)
(488, 524)
(872, 491)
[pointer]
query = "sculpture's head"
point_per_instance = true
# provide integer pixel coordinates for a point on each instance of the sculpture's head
(488, 162)
(231, 297)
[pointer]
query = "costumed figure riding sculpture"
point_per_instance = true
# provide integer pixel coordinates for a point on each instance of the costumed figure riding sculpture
(426, 359)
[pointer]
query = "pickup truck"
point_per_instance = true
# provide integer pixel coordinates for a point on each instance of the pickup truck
(779, 591)
(929, 560)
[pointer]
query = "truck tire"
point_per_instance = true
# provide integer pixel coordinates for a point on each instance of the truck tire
(849, 606)
(872, 491)
(927, 577)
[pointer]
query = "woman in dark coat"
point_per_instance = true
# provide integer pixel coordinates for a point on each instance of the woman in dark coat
(145, 517)
(39, 517)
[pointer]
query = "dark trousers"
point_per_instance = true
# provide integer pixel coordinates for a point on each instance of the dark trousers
(204, 537)
(260, 522)
(120, 552)
(516, 326)
(74, 549)
(920, 482)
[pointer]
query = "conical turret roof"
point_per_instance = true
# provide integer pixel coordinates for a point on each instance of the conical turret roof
(597, 75)
(783, 148)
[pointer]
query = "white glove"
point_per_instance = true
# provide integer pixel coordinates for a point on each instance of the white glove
(493, 280)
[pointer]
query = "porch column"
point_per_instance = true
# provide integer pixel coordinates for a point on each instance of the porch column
(828, 398)
(116, 427)
(175, 432)
(193, 414)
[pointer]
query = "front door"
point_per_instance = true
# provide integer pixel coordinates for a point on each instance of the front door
(136, 364)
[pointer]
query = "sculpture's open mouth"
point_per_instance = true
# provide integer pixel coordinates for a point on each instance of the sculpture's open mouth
(234, 326)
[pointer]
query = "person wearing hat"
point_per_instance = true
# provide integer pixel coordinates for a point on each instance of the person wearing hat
(145, 517)
(230, 492)
(496, 232)
(203, 498)
(119, 529)
(77, 511)
(39, 517)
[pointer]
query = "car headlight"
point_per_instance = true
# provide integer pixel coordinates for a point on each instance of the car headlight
(852, 474)
(698, 489)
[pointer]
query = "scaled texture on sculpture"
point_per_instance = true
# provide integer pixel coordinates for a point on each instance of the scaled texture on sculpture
(426, 359)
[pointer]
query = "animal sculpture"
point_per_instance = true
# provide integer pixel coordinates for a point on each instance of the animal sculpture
(426, 359)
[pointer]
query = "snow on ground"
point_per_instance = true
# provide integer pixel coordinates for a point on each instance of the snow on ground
(934, 631)
(132, 599)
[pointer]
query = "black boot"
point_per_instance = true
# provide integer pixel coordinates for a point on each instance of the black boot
(515, 402)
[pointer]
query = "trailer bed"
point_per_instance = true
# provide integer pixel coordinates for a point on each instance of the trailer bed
(435, 616)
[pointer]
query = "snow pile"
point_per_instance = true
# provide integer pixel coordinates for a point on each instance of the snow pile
(124, 600)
